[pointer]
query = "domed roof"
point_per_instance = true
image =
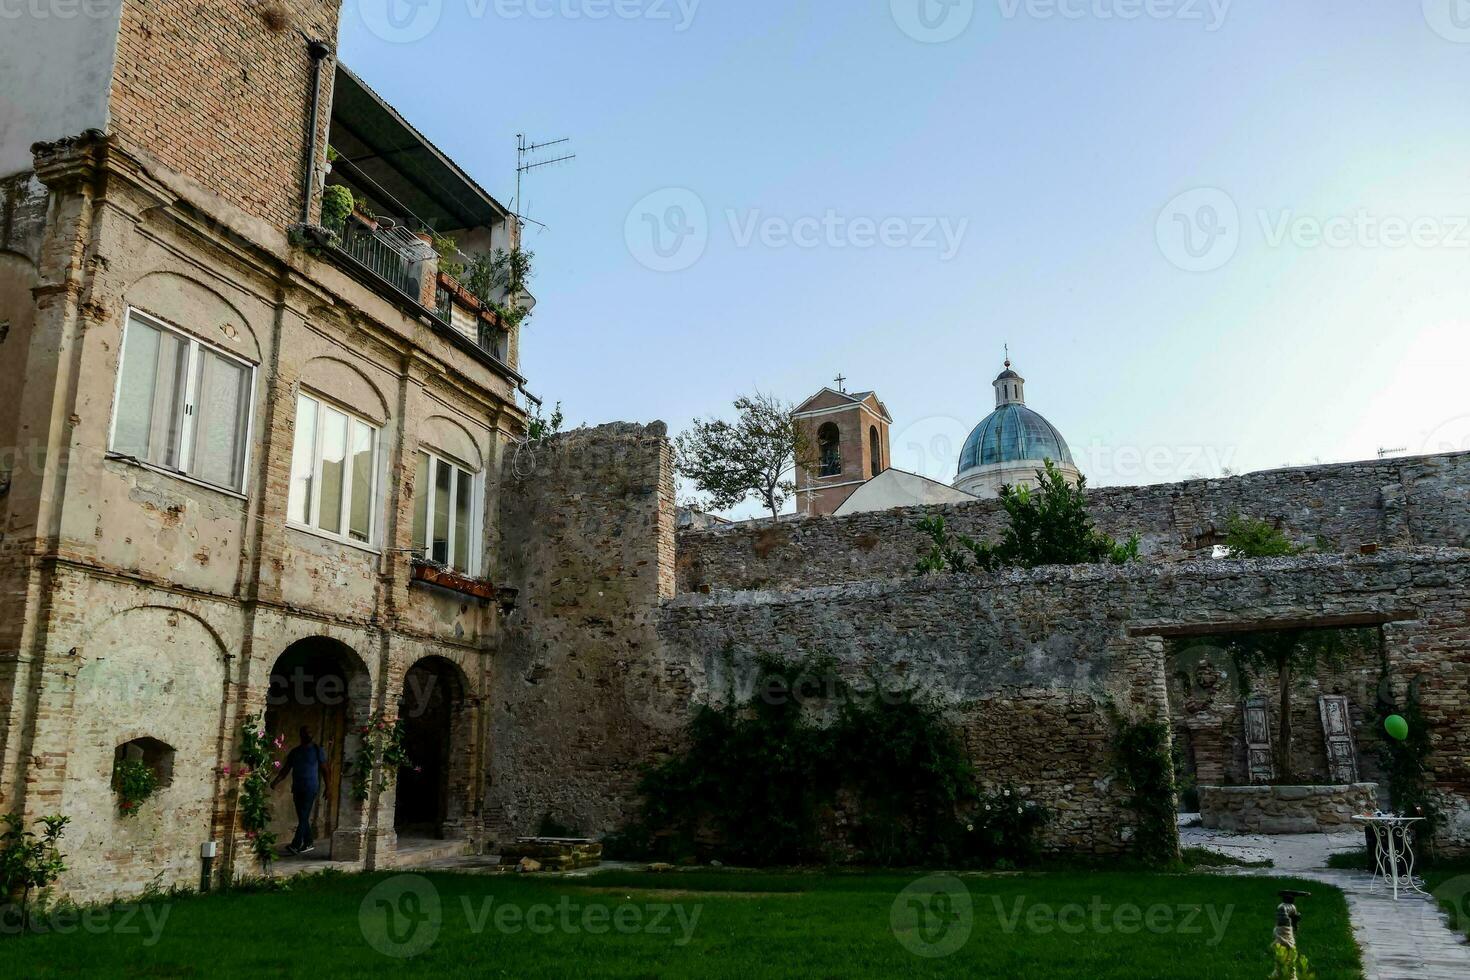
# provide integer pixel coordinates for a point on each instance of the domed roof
(1013, 433)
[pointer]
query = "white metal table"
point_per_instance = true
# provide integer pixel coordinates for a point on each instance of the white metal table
(1393, 853)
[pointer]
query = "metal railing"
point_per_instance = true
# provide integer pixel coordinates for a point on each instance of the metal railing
(385, 254)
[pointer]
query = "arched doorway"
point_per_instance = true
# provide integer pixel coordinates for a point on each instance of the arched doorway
(321, 685)
(439, 744)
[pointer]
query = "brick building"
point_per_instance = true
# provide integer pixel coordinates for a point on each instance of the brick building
(253, 464)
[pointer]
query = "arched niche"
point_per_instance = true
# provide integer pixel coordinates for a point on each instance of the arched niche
(196, 308)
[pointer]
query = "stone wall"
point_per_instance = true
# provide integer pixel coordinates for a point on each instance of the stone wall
(587, 540)
(1286, 809)
(1025, 660)
(1422, 500)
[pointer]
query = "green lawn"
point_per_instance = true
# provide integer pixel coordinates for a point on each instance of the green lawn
(707, 924)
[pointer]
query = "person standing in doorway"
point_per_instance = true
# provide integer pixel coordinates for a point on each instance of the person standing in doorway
(307, 764)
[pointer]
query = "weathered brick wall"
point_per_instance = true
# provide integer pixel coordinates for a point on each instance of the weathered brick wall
(221, 93)
(1025, 659)
(587, 539)
(1421, 500)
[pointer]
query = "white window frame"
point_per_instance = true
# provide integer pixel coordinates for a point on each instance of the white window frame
(191, 405)
(477, 500)
(344, 536)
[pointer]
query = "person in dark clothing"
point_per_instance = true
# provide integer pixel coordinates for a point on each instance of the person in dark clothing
(307, 765)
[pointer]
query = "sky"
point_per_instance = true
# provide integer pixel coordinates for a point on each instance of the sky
(1217, 236)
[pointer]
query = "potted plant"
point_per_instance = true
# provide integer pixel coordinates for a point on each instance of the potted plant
(134, 782)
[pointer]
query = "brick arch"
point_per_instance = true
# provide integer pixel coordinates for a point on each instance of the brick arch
(439, 715)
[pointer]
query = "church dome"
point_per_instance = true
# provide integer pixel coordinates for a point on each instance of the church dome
(1014, 433)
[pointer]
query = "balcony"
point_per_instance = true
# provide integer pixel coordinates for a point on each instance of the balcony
(406, 195)
(392, 253)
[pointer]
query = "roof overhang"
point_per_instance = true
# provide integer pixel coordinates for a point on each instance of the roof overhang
(380, 144)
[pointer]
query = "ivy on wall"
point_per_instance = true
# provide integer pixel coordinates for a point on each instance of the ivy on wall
(1142, 760)
(885, 780)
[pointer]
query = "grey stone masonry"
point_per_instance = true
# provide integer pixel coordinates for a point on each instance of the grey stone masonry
(1286, 809)
(1345, 507)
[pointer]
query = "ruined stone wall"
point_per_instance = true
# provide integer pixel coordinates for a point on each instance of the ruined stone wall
(587, 539)
(1338, 508)
(1025, 659)
(1207, 714)
(1318, 809)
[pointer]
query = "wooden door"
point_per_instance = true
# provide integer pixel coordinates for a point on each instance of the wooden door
(1337, 733)
(1258, 741)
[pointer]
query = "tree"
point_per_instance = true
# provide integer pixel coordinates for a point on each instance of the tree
(1048, 526)
(757, 454)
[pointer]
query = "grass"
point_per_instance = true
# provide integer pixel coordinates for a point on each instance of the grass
(707, 924)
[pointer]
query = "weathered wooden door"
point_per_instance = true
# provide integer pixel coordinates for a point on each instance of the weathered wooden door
(1258, 741)
(1337, 733)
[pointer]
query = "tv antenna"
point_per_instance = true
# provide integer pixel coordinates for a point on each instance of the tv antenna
(525, 164)
(1385, 453)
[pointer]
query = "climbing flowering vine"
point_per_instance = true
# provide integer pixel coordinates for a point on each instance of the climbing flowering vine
(382, 752)
(258, 765)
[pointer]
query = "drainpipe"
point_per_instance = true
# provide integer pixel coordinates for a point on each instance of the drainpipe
(319, 50)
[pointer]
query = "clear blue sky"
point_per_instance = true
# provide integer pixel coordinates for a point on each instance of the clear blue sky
(1054, 148)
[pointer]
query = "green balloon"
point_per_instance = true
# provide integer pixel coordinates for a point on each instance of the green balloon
(1396, 726)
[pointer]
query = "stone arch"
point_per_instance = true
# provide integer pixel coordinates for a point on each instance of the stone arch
(147, 672)
(196, 307)
(348, 385)
(437, 714)
(321, 684)
(444, 435)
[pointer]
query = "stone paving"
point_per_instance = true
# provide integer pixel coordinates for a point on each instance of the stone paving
(1408, 939)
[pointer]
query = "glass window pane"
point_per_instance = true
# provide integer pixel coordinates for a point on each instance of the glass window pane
(303, 462)
(221, 393)
(334, 469)
(439, 550)
(360, 513)
(135, 390)
(463, 502)
(421, 503)
(168, 400)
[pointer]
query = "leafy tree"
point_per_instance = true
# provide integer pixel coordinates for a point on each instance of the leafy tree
(1048, 526)
(540, 428)
(1250, 538)
(757, 454)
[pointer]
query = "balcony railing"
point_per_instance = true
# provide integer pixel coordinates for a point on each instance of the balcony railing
(392, 254)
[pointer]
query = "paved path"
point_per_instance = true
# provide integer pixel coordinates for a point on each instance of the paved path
(1405, 940)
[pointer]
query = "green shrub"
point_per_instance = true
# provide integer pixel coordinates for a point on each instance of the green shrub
(336, 205)
(134, 781)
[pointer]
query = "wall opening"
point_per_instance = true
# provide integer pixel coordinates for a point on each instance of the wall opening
(437, 736)
(875, 450)
(318, 684)
(829, 450)
(156, 755)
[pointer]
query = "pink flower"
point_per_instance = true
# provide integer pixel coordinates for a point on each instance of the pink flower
(418, 768)
(280, 741)
(277, 763)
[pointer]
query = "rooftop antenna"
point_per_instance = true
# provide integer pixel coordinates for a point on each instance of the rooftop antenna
(524, 165)
(1385, 453)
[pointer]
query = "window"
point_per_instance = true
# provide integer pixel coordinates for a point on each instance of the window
(334, 472)
(182, 405)
(446, 514)
(875, 450)
(827, 448)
